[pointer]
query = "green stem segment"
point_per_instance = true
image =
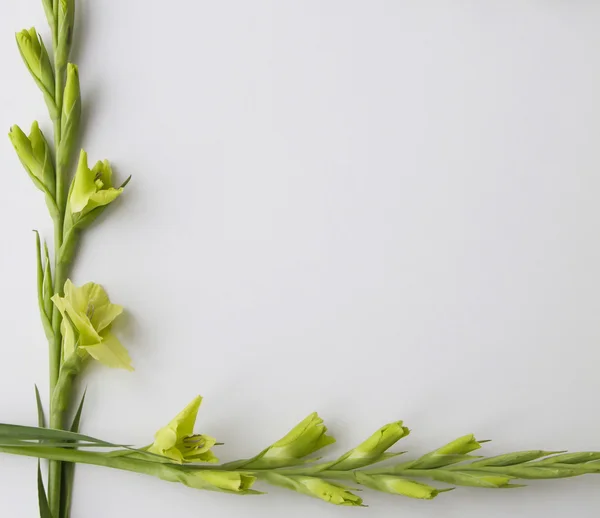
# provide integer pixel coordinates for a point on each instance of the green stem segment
(79, 456)
(179, 473)
(164, 471)
(60, 274)
(56, 421)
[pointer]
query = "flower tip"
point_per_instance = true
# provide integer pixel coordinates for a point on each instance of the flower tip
(445, 490)
(16, 131)
(124, 184)
(194, 405)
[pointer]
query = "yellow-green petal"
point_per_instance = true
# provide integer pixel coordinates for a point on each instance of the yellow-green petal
(183, 423)
(102, 198)
(206, 457)
(85, 329)
(92, 188)
(68, 334)
(110, 352)
(178, 442)
(83, 185)
(103, 173)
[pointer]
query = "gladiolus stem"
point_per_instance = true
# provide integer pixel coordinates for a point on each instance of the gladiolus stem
(55, 468)
(59, 455)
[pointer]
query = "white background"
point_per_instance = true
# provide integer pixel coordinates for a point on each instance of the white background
(378, 210)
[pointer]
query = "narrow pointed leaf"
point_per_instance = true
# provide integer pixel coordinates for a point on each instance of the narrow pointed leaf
(40, 409)
(40, 288)
(42, 498)
(68, 469)
(77, 419)
(13, 431)
(47, 288)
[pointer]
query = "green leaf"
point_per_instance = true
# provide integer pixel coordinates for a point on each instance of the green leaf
(32, 433)
(33, 445)
(68, 468)
(40, 409)
(42, 498)
(77, 419)
(40, 289)
(25, 436)
(47, 289)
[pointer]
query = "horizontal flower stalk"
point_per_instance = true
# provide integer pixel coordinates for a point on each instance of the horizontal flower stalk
(180, 455)
(492, 472)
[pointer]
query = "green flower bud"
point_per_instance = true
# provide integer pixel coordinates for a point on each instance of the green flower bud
(373, 449)
(34, 54)
(90, 194)
(317, 488)
(571, 458)
(71, 115)
(49, 10)
(453, 452)
(304, 439)
(398, 486)
(550, 471)
(473, 478)
(66, 22)
(35, 155)
(222, 481)
(511, 459)
(460, 446)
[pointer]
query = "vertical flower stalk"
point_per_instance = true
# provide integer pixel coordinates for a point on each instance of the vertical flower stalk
(66, 125)
(58, 81)
(76, 320)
